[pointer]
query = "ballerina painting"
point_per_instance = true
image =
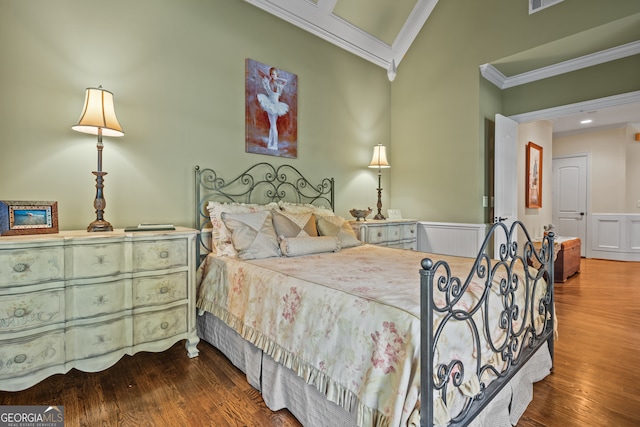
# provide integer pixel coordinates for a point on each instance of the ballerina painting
(271, 110)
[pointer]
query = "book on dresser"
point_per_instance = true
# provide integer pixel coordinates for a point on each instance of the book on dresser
(83, 300)
(145, 226)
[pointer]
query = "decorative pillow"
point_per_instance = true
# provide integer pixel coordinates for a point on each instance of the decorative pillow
(305, 208)
(294, 225)
(305, 245)
(340, 228)
(220, 235)
(252, 234)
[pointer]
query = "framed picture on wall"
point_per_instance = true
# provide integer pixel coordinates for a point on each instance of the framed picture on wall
(271, 106)
(534, 176)
(19, 217)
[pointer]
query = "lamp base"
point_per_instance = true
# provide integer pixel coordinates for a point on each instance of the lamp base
(99, 225)
(379, 216)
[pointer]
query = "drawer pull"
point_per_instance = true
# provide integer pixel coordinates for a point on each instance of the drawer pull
(20, 267)
(164, 254)
(21, 358)
(379, 234)
(164, 325)
(164, 289)
(19, 312)
(413, 231)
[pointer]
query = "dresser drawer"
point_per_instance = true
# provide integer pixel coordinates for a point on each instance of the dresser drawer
(95, 260)
(98, 338)
(89, 300)
(21, 357)
(20, 267)
(157, 325)
(154, 290)
(30, 310)
(159, 254)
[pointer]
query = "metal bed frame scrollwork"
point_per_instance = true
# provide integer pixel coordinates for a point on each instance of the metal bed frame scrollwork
(519, 342)
(261, 183)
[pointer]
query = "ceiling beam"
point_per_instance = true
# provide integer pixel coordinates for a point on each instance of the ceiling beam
(318, 19)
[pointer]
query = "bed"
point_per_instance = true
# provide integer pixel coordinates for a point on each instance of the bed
(338, 332)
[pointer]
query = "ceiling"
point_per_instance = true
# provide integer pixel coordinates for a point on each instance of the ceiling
(627, 114)
(382, 31)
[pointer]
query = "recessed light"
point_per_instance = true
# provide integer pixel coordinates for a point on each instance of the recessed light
(585, 121)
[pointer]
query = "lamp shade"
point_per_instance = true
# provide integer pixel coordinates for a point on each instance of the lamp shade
(379, 159)
(98, 113)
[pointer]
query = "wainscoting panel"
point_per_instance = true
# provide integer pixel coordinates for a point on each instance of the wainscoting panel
(449, 238)
(615, 237)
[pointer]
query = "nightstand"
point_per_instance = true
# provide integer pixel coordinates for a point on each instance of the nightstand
(399, 233)
(83, 300)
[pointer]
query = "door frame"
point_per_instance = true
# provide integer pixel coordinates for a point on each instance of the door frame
(588, 229)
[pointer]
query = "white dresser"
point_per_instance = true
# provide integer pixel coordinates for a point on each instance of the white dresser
(83, 300)
(401, 233)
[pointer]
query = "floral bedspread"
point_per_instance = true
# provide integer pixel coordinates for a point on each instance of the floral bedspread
(346, 322)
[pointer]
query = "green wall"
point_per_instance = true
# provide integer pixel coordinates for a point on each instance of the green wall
(177, 71)
(437, 101)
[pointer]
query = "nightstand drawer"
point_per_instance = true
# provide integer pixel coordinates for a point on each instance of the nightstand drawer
(154, 290)
(93, 340)
(375, 234)
(20, 357)
(409, 231)
(159, 254)
(91, 300)
(95, 260)
(19, 267)
(394, 233)
(157, 325)
(403, 245)
(30, 310)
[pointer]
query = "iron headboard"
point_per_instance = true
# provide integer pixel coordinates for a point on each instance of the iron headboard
(261, 183)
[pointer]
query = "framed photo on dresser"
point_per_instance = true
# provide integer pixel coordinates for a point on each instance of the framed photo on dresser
(28, 217)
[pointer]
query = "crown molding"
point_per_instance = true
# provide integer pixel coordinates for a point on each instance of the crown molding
(492, 74)
(319, 20)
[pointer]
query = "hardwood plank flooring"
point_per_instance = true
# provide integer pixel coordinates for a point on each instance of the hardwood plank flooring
(596, 381)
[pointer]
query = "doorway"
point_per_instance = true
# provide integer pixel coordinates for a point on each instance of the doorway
(569, 197)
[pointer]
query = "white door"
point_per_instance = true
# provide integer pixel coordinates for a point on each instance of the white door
(505, 184)
(569, 194)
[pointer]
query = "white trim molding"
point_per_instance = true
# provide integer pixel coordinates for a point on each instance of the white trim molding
(578, 107)
(492, 74)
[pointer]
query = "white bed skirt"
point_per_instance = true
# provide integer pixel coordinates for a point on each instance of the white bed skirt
(282, 388)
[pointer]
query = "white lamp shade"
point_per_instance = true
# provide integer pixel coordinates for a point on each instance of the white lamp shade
(379, 159)
(98, 113)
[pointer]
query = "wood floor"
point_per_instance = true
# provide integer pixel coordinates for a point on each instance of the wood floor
(596, 379)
